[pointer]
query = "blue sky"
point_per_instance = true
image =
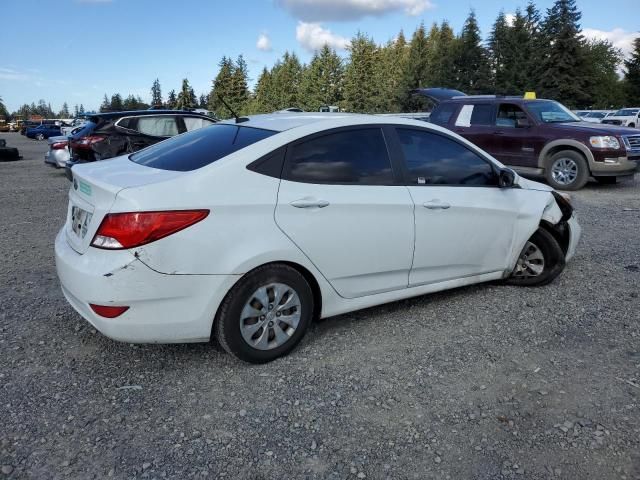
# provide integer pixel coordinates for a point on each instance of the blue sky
(78, 50)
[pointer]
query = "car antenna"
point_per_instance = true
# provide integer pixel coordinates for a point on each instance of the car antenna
(238, 118)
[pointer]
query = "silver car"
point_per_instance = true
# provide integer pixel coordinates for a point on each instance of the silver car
(58, 154)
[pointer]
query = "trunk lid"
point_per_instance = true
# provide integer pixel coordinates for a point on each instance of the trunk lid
(94, 189)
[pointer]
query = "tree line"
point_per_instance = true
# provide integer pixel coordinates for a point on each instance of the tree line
(528, 51)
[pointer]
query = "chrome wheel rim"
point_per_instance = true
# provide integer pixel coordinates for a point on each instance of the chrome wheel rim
(270, 317)
(531, 262)
(564, 171)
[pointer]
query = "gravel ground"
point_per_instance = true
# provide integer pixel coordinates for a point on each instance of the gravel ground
(480, 382)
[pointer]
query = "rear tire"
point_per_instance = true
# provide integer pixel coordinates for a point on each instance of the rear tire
(566, 170)
(540, 261)
(265, 315)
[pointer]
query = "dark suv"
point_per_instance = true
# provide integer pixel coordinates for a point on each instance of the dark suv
(107, 135)
(539, 137)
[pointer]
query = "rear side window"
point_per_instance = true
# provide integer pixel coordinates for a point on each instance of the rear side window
(350, 156)
(433, 159)
(194, 123)
(193, 150)
(482, 114)
(442, 115)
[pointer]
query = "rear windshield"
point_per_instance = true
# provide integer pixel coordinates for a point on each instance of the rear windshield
(198, 148)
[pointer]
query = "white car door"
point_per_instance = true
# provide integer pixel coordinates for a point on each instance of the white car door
(464, 222)
(341, 204)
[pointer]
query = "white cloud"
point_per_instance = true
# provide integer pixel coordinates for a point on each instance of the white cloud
(618, 37)
(344, 10)
(510, 18)
(264, 43)
(312, 37)
(11, 74)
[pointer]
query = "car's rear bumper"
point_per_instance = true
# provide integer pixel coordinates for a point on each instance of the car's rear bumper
(162, 308)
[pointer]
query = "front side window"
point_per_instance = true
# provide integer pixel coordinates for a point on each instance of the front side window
(164, 126)
(351, 156)
(627, 112)
(201, 147)
(433, 159)
(509, 114)
(548, 111)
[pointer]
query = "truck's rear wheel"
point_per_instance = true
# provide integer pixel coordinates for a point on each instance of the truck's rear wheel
(566, 170)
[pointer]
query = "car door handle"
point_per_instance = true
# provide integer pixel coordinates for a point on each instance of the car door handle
(309, 203)
(436, 205)
(498, 132)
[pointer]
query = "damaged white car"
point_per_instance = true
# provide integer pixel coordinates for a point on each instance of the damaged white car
(246, 231)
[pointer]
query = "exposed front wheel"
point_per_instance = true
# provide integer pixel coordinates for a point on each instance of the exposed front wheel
(265, 314)
(540, 261)
(40, 136)
(567, 170)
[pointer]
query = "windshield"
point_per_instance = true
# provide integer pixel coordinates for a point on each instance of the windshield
(595, 115)
(627, 112)
(198, 148)
(548, 111)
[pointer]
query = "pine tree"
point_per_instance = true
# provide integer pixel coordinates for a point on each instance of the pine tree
(441, 51)
(563, 62)
(604, 88)
(202, 101)
(76, 112)
(632, 76)
(105, 106)
(81, 110)
(156, 93)
(64, 112)
(262, 100)
(361, 91)
(3, 109)
(321, 82)
(222, 88)
(416, 71)
(532, 51)
(473, 71)
(116, 103)
(171, 100)
(239, 86)
(186, 98)
(500, 47)
(286, 76)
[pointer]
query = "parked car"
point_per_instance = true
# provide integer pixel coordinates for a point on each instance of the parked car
(24, 126)
(596, 116)
(67, 130)
(43, 131)
(540, 137)
(248, 231)
(627, 117)
(107, 135)
(4, 126)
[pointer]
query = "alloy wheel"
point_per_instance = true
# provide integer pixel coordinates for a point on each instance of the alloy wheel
(564, 171)
(270, 316)
(531, 262)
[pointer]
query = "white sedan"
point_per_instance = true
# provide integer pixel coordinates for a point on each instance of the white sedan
(248, 231)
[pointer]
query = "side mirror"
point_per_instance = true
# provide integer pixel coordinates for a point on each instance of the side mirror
(522, 123)
(506, 178)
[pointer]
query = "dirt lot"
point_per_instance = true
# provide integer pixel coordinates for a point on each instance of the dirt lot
(481, 382)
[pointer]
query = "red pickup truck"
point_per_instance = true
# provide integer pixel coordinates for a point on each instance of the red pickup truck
(539, 137)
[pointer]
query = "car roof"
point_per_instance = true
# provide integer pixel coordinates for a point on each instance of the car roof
(281, 121)
(127, 113)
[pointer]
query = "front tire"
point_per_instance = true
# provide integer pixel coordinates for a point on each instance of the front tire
(540, 261)
(39, 136)
(567, 170)
(265, 315)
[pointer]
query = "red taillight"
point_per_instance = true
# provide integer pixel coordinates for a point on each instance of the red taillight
(108, 311)
(58, 146)
(133, 229)
(87, 141)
